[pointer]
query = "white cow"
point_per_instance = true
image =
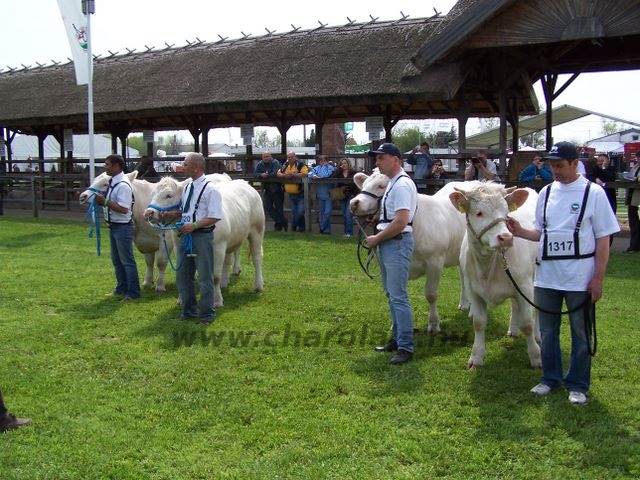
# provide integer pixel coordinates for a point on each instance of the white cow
(242, 218)
(437, 231)
(486, 206)
(147, 239)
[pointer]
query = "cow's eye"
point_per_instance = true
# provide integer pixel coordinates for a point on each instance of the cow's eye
(478, 214)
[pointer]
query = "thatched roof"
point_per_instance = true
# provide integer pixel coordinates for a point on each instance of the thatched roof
(329, 74)
(539, 36)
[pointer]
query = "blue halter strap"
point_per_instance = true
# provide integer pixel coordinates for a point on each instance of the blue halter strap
(94, 214)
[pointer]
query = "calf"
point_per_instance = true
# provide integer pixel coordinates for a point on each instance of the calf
(486, 206)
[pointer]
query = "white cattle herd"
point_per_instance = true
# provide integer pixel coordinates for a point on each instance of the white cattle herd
(463, 224)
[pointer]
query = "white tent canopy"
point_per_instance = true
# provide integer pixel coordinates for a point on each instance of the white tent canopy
(25, 146)
(536, 123)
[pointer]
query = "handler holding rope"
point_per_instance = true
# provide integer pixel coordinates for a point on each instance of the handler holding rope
(394, 241)
(573, 223)
(118, 211)
(201, 209)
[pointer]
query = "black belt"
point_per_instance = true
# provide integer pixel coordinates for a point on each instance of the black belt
(205, 230)
(120, 223)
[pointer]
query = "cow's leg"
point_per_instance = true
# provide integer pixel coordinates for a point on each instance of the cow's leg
(255, 247)
(478, 312)
(514, 321)
(224, 275)
(165, 245)
(148, 276)
(521, 310)
(219, 256)
(464, 298)
(161, 263)
(434, 273)
(236, 262)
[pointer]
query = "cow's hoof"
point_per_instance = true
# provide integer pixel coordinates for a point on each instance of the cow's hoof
(161, 289)
(433, 329)
(472, 364)
(513, 333)
(463, 307)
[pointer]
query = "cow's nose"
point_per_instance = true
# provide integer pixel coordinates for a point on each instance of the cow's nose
(354, 205)
(505, 239)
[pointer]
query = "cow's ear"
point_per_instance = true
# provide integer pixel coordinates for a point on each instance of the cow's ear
(459, 201)
(516, 198)
(132, 175)
(359, 179)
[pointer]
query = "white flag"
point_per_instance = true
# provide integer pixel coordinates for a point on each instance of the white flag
(76, 24)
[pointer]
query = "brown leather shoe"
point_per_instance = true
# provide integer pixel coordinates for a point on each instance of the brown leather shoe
(402, 356)
(10, 422)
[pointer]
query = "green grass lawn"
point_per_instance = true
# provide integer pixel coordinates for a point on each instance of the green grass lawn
(285, 383)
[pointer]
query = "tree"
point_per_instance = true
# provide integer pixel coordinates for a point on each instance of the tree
(311, 141)
(534, 140)
(487, 124)
(406, 138)
(609, 128)
(442, 139)
(261, 140)
(137, 142)
(170, 144)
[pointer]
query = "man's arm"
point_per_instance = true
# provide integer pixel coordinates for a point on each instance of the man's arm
(468, 172)
(519, 231)
(489, 173)
(396, 226)
(602, 259)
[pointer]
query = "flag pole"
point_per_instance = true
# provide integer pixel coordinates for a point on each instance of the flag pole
(88, 7)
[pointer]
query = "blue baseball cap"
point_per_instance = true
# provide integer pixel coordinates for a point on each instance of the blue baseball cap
(388, 148)
(562, 151)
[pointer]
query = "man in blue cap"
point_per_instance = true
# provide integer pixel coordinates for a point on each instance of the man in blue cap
(394, 241)
(573, 222)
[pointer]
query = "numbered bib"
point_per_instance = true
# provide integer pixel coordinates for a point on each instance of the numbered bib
(560, 245)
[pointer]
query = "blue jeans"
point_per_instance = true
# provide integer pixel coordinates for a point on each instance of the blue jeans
(578, 377)
(297, 212)
(202, 247)
(395, 258)
(347, 216)
(324, 208)
(124, 263)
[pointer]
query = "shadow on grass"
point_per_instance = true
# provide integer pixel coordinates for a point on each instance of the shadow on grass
(23, 241)
(456, 336)
(176, 333)
(508, 413)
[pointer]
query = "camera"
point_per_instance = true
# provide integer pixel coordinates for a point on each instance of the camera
(475, 160)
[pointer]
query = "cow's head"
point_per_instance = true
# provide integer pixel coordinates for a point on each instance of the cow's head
(486, 205)
(372, 189)
(99, 185)
(166, 196)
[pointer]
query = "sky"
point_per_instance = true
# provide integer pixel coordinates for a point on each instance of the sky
(32, 31)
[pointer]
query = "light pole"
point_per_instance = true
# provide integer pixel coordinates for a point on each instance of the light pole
(89, 7)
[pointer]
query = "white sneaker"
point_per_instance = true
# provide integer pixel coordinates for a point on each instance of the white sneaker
(577, 398)
(346, 235)
(541, 389)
